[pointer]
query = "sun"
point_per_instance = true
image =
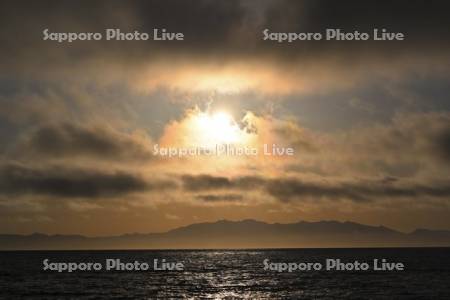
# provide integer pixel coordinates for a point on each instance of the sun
(216, 128)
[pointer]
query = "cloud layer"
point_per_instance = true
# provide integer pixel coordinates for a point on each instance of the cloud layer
(369, 121)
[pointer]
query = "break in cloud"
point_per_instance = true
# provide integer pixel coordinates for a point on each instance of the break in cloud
(369, 121)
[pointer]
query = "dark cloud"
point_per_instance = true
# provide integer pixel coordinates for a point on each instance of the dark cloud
(72, 140)
(442, 145)
(358, 191)
(207, 25)
(227, 29)
(16, 179)
(209, 182)
(388, 179)
(416, 16)
(287, 189)
(205, 182)
(220, 198)
(424, 24)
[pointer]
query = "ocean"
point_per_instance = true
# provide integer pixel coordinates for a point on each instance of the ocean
(227, 274)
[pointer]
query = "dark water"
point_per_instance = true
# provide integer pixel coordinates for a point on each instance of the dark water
(228, 275)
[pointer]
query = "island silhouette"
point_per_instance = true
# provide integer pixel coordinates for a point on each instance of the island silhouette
(245, 234)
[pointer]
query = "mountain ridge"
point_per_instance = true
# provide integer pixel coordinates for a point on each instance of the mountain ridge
(247, 233)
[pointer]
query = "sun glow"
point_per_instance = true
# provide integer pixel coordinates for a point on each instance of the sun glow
(209, 129)
(217, 128)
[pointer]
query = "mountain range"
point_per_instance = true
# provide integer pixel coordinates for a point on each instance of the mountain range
(225, 234)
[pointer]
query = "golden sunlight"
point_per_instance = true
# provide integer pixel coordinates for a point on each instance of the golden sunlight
(216, 128)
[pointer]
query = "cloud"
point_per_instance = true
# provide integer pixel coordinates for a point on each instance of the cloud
(57, 181)
(75, 118)
(412, 149)
(70, 140)
(442, 144)
(212, 198)
(223, 47)
(172, 217)
(210, 182)
(288, 189)
(411, 145)
(205, 182)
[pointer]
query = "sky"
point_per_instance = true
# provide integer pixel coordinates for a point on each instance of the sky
(369, 121)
